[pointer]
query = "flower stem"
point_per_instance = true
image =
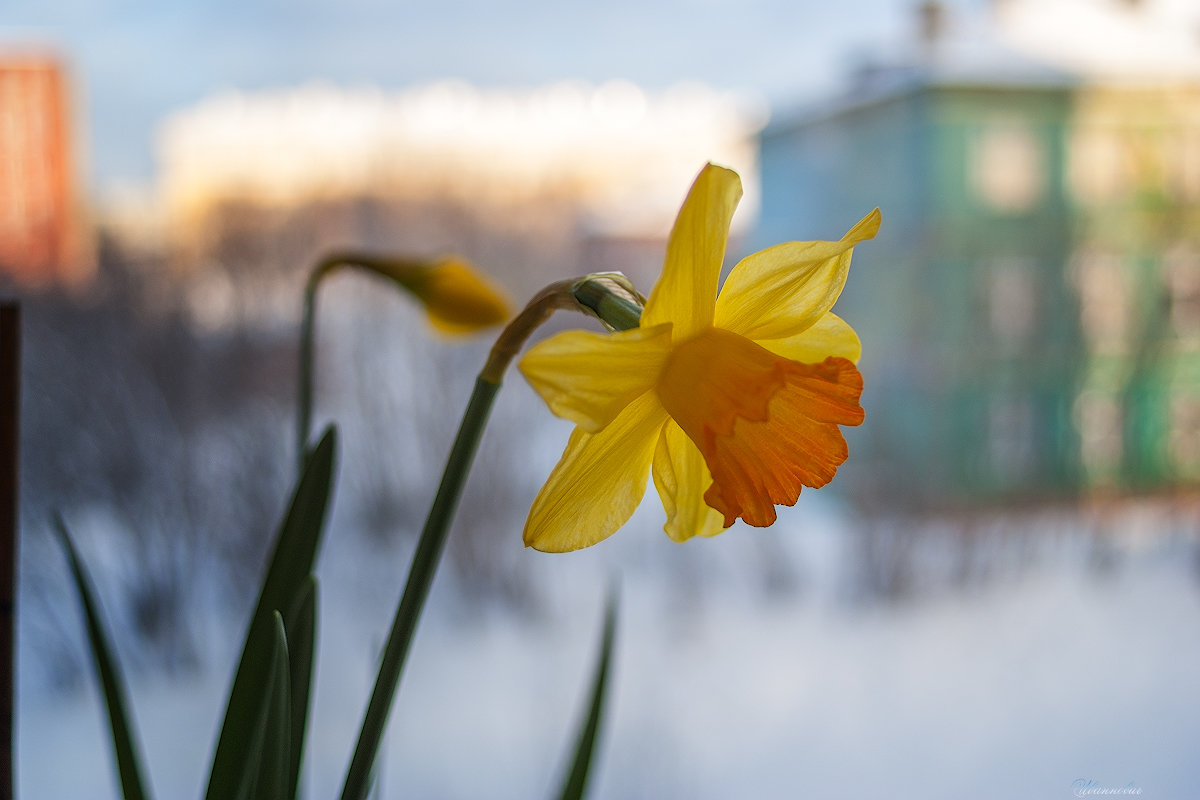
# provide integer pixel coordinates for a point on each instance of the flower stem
(397, 269)
(420, 578)
(307, 335)
(561, 295)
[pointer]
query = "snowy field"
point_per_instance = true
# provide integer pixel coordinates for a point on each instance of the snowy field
(805, 660)
(1079, 663)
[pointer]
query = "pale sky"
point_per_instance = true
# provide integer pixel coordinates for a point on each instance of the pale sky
(135, 62)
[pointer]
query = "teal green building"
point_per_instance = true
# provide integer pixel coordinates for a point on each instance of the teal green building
(1030, 311)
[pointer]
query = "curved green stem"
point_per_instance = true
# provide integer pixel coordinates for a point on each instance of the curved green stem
(307, 335)
(420, 578)
(433, 537)
(395, 269)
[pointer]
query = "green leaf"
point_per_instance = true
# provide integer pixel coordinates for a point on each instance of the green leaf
(291, 566)
(238, 780)
(275, 773)
(575, 784)
(108, 670)
(301, 638)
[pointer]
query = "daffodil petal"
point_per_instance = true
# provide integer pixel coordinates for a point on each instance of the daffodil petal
(589, 378)
(599, 481)
(686, 292)
(682, 478)
(828, 336)
(804, 277)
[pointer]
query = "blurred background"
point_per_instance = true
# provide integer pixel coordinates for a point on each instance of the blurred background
(999, 596)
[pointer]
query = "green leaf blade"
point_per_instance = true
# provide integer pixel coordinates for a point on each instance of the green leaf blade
(274, 773)
(576, 781)
(291, 566)
(301, 639)
(108, 670)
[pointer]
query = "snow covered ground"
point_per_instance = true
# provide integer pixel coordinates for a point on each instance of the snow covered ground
(1073, 667)
(1010, 660)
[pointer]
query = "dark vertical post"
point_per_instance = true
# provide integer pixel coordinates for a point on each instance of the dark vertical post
(10, 395)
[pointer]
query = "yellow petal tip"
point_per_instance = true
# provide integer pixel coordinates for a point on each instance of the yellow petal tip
(866, 228)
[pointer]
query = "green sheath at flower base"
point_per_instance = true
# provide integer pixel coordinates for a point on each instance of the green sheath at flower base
(611, 298)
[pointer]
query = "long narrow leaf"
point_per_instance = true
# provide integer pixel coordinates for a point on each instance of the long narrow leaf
(576, 780)
(240, 778)
(291, 564)
(274, 774)
(108, 670)
(301, 640)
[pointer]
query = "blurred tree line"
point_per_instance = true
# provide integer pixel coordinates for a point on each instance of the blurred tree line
(157, 411)
(160, 443)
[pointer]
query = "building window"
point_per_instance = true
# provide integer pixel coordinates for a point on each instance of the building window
(1183, 439)
(1099, 421)
(1183, 173)
(1010, 436)
(1099, 171)
(1008, 166)
(1011, 300)
(1181, 274)
(1105, 314)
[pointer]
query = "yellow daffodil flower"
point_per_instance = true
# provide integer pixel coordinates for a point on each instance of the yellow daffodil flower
(732, 401)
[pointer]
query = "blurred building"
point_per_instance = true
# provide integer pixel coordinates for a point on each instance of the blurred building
(531, 184)
(1030, 312)
(42, 237)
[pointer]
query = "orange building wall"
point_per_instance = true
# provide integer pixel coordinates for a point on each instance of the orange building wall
(40, 232)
